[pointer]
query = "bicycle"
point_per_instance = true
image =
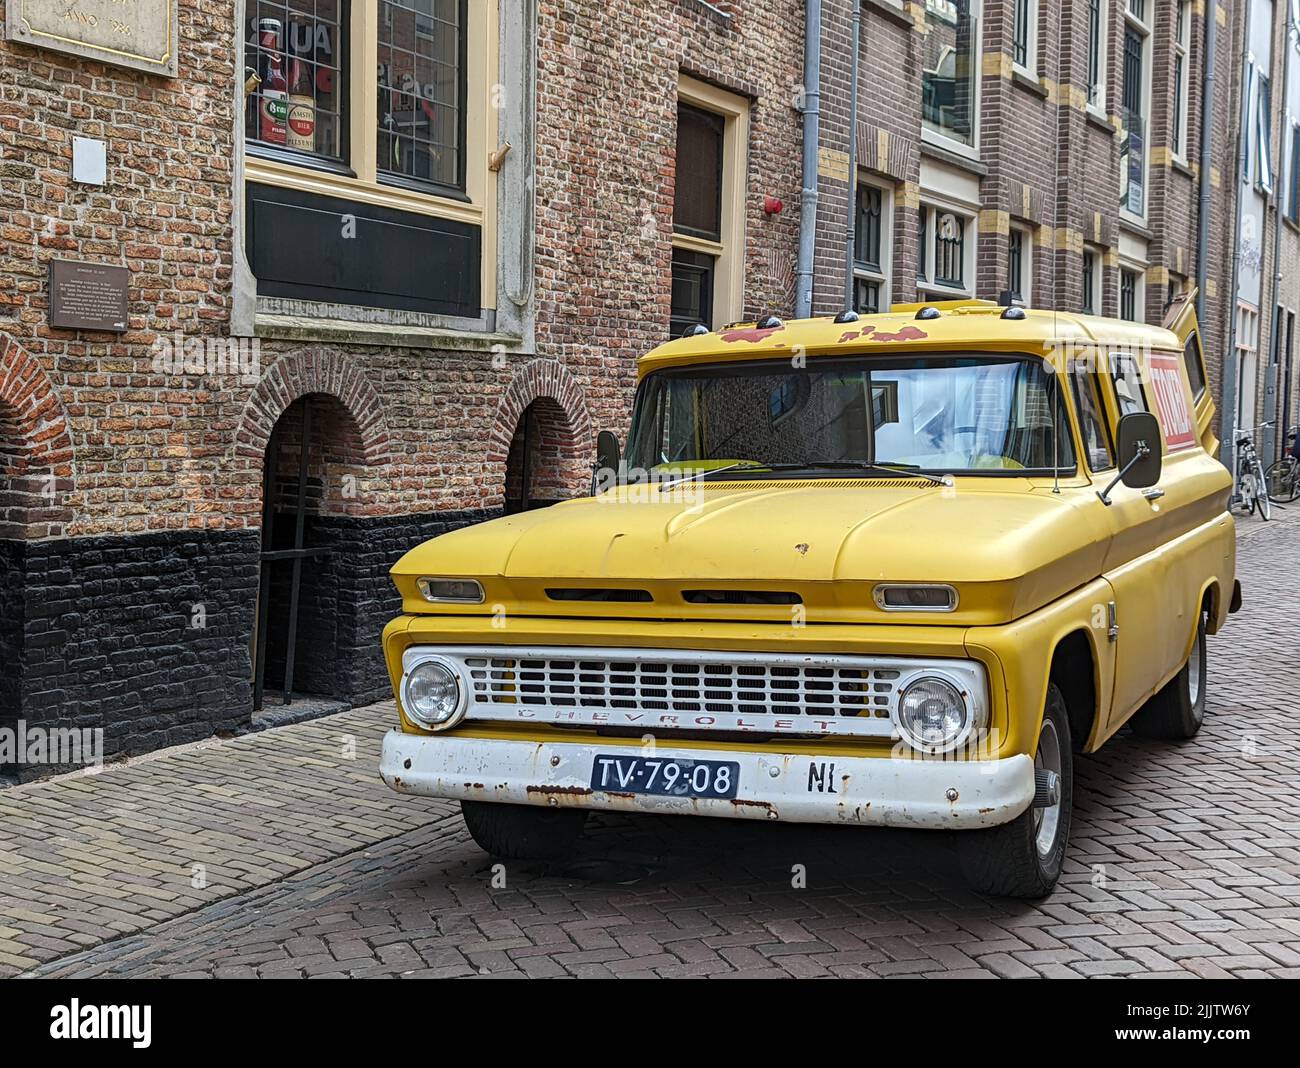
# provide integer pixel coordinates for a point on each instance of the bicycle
(1283, 477)
(1251, 495)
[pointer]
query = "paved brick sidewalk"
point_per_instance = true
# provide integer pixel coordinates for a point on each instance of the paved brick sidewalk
(1185, 861)
(88, 858)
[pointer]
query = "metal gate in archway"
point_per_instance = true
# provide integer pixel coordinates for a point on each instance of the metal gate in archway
(285, 549)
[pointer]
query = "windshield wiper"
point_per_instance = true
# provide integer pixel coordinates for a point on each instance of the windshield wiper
(743, 465)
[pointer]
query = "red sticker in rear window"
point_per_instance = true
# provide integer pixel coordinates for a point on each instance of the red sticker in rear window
(1171, 398)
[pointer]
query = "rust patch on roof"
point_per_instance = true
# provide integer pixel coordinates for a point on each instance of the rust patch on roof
(908, 333)
(752, 334)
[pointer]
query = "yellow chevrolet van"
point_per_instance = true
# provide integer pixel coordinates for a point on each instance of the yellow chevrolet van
(895, 570)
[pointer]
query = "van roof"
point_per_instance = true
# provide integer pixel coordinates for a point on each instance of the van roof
(958, 325)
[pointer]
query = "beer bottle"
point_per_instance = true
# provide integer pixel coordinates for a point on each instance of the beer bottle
(301, 131)
(274, 110)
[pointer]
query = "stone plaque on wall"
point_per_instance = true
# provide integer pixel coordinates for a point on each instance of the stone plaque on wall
(88, 296)
(127, 33)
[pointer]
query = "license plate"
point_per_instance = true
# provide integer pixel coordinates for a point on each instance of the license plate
(664, 776)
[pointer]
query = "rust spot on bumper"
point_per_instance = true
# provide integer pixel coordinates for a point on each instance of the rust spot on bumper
(573, 791)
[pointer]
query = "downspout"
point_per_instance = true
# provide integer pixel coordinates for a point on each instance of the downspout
(812, 76)
(1228, 451)
(1207, 155)
(1275, 331)
(851, 225)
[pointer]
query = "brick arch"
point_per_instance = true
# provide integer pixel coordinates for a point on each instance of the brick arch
(299, 373)
(545, 394)
(36, 450)
(538, 380)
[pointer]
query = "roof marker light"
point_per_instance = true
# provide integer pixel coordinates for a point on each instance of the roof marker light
(698, 330)
(846, 317)
(769, 322)
(928, 312)
(1014, 313)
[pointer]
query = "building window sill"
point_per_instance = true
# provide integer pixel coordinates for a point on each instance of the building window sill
(895, 12)
(1100, 120)
(1028, 81)
(965, 160)
(1181, 166)
(723, 18)
(275, 327)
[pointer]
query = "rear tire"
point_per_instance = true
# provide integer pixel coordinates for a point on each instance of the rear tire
(1177, 711)
(1024, 858)
(522, 832)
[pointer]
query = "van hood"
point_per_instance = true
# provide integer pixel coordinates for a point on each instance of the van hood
(1007, 545)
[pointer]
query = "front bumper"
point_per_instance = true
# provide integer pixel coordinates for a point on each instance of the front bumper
(792, 787)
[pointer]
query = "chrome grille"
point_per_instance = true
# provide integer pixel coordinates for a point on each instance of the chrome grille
(657, 690)
(682, 686)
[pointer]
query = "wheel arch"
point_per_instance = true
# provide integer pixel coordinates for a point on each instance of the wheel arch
(1076, 672)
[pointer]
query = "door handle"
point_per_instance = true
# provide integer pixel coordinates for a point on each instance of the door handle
(1153, 493)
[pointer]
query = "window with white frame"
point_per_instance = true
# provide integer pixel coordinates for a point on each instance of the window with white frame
(1247, 364)
(950, 68)
(1098, 12)
(1020, 265)
(1264, 134)
(1092, 267)
(1135, 105)
(1182, 74)
(871, 248)
(946, 265)
(1024, 36)
(1132, 294)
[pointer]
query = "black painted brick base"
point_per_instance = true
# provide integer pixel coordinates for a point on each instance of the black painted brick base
(98, 632)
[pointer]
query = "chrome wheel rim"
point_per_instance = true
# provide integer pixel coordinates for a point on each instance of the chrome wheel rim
(1048, 758)
(1194, 671)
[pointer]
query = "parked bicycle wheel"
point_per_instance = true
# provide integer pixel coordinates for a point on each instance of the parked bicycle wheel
(1263, 505)
(1247, 491)
(1283, 481)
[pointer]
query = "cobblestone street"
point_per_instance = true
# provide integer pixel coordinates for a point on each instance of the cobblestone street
(1184, 861)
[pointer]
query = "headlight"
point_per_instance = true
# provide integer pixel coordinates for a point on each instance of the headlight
(448, 590)
(432, 694)
(932, 714)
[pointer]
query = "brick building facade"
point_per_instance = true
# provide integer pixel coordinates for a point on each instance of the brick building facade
(1031, 173)
(436, 339)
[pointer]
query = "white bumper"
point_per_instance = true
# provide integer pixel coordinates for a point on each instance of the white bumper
(795, 788)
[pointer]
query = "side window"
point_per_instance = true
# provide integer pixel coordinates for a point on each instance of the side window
(1195, 366)
(1092, 423)
(1126, 377)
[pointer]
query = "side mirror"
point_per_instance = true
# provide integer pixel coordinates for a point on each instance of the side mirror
(604, 472)
(1139, 450)
(1139, 453)
(608, 453)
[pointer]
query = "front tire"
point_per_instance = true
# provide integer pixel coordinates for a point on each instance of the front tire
(1177, 711)
(1024, 858)
(522, 832)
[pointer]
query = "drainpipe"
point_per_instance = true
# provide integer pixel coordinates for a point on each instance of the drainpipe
(1207, 155)
(1275, 330)
(1228, 424)
(850, 229)
(812, 76)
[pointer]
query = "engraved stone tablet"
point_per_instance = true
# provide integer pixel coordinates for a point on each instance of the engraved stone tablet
(88, 296)
(128, 33)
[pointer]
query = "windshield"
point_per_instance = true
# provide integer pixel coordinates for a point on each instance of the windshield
(942, 414)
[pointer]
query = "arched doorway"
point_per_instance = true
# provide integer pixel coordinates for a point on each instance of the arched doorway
(542, 465)
(313, 468)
